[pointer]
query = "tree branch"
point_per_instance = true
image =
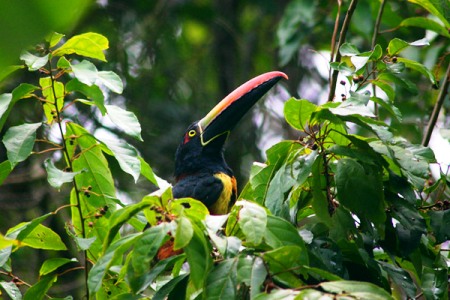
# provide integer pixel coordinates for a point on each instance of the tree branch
(342, 35)
(437, 107)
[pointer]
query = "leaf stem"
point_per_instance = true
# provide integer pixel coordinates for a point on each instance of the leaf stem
(69, 163)
(342, 35)
(437, 107)
(333, 38)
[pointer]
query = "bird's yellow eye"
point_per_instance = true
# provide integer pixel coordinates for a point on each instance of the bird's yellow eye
(192, 133)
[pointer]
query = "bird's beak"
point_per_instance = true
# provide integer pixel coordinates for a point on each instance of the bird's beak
(224, 116)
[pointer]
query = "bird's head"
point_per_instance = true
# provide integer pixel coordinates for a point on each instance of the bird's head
(202, 143)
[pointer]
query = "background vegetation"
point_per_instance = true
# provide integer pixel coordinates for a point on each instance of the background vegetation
(356, 187)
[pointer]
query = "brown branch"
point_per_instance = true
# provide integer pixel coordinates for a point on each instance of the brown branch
(333, 38)
(437, 107)
(342, 35)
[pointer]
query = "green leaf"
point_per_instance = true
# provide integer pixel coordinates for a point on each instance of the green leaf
(285, 264)
(183, 234)
(147, 171)
(434, 283)
(145, 249)
(52, 264)
(88, 44)
(356, 289)
(389, 107)
(401, 277)
(56, 178)
(258, 276)
(38, 291)
(419, 68)
(298, 113)
(285, 294)
(63, 63)
(396, 45)
(11, 289)
(34, 62)
(45, 238)
(386, 88)
(125, 120)
(425, 23)
(6, 71)
(348, 49)
(440, 224)
(111, 80)
(114, 251)
(85, 72)
(198, 256)
(5, 169)
(120, 216)
(84, 243)
(221, 281)
(53, 92)
(280, 232)
(126, 155)
(166, 289)
(252, 221)
(54, 38)
(438, 8)
(19, 141)
(97, 177)
(360, 189)
(91, 92)
(351, 108)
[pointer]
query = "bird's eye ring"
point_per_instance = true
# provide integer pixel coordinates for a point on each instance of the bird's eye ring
(192, 133)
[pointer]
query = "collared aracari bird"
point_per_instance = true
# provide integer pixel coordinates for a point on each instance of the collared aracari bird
(200, 168)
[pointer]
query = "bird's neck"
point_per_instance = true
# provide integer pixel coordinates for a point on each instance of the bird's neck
(201, 164)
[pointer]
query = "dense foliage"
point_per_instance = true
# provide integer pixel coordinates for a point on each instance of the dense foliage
(347, 209)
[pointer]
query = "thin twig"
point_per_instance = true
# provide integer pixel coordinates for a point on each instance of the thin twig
(333, 38)
(437, 108)
(342, 35)
(374, 41)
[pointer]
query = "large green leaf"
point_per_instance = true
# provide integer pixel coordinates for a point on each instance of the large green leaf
(356, 289)
(11, 289)
(88, 44)
(56, 178)
(440, 223)
(42, 237)
(19, 141)
(285, 264)
(419, 68)
(111, 80)
(95, 186)
(360, 189)
(252, 221)
(85, 72)
(298, 113)
(165, 291)
(440, 9)
(396, 45)
(198, 256)
(435, 283)
(221, 281)
(38, 291)
(125, 120)
(183, 233)
(425, 23)
(401, 277)
(280, 233)
(126, 155)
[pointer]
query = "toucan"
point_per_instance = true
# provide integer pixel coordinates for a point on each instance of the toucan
(200, 168)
